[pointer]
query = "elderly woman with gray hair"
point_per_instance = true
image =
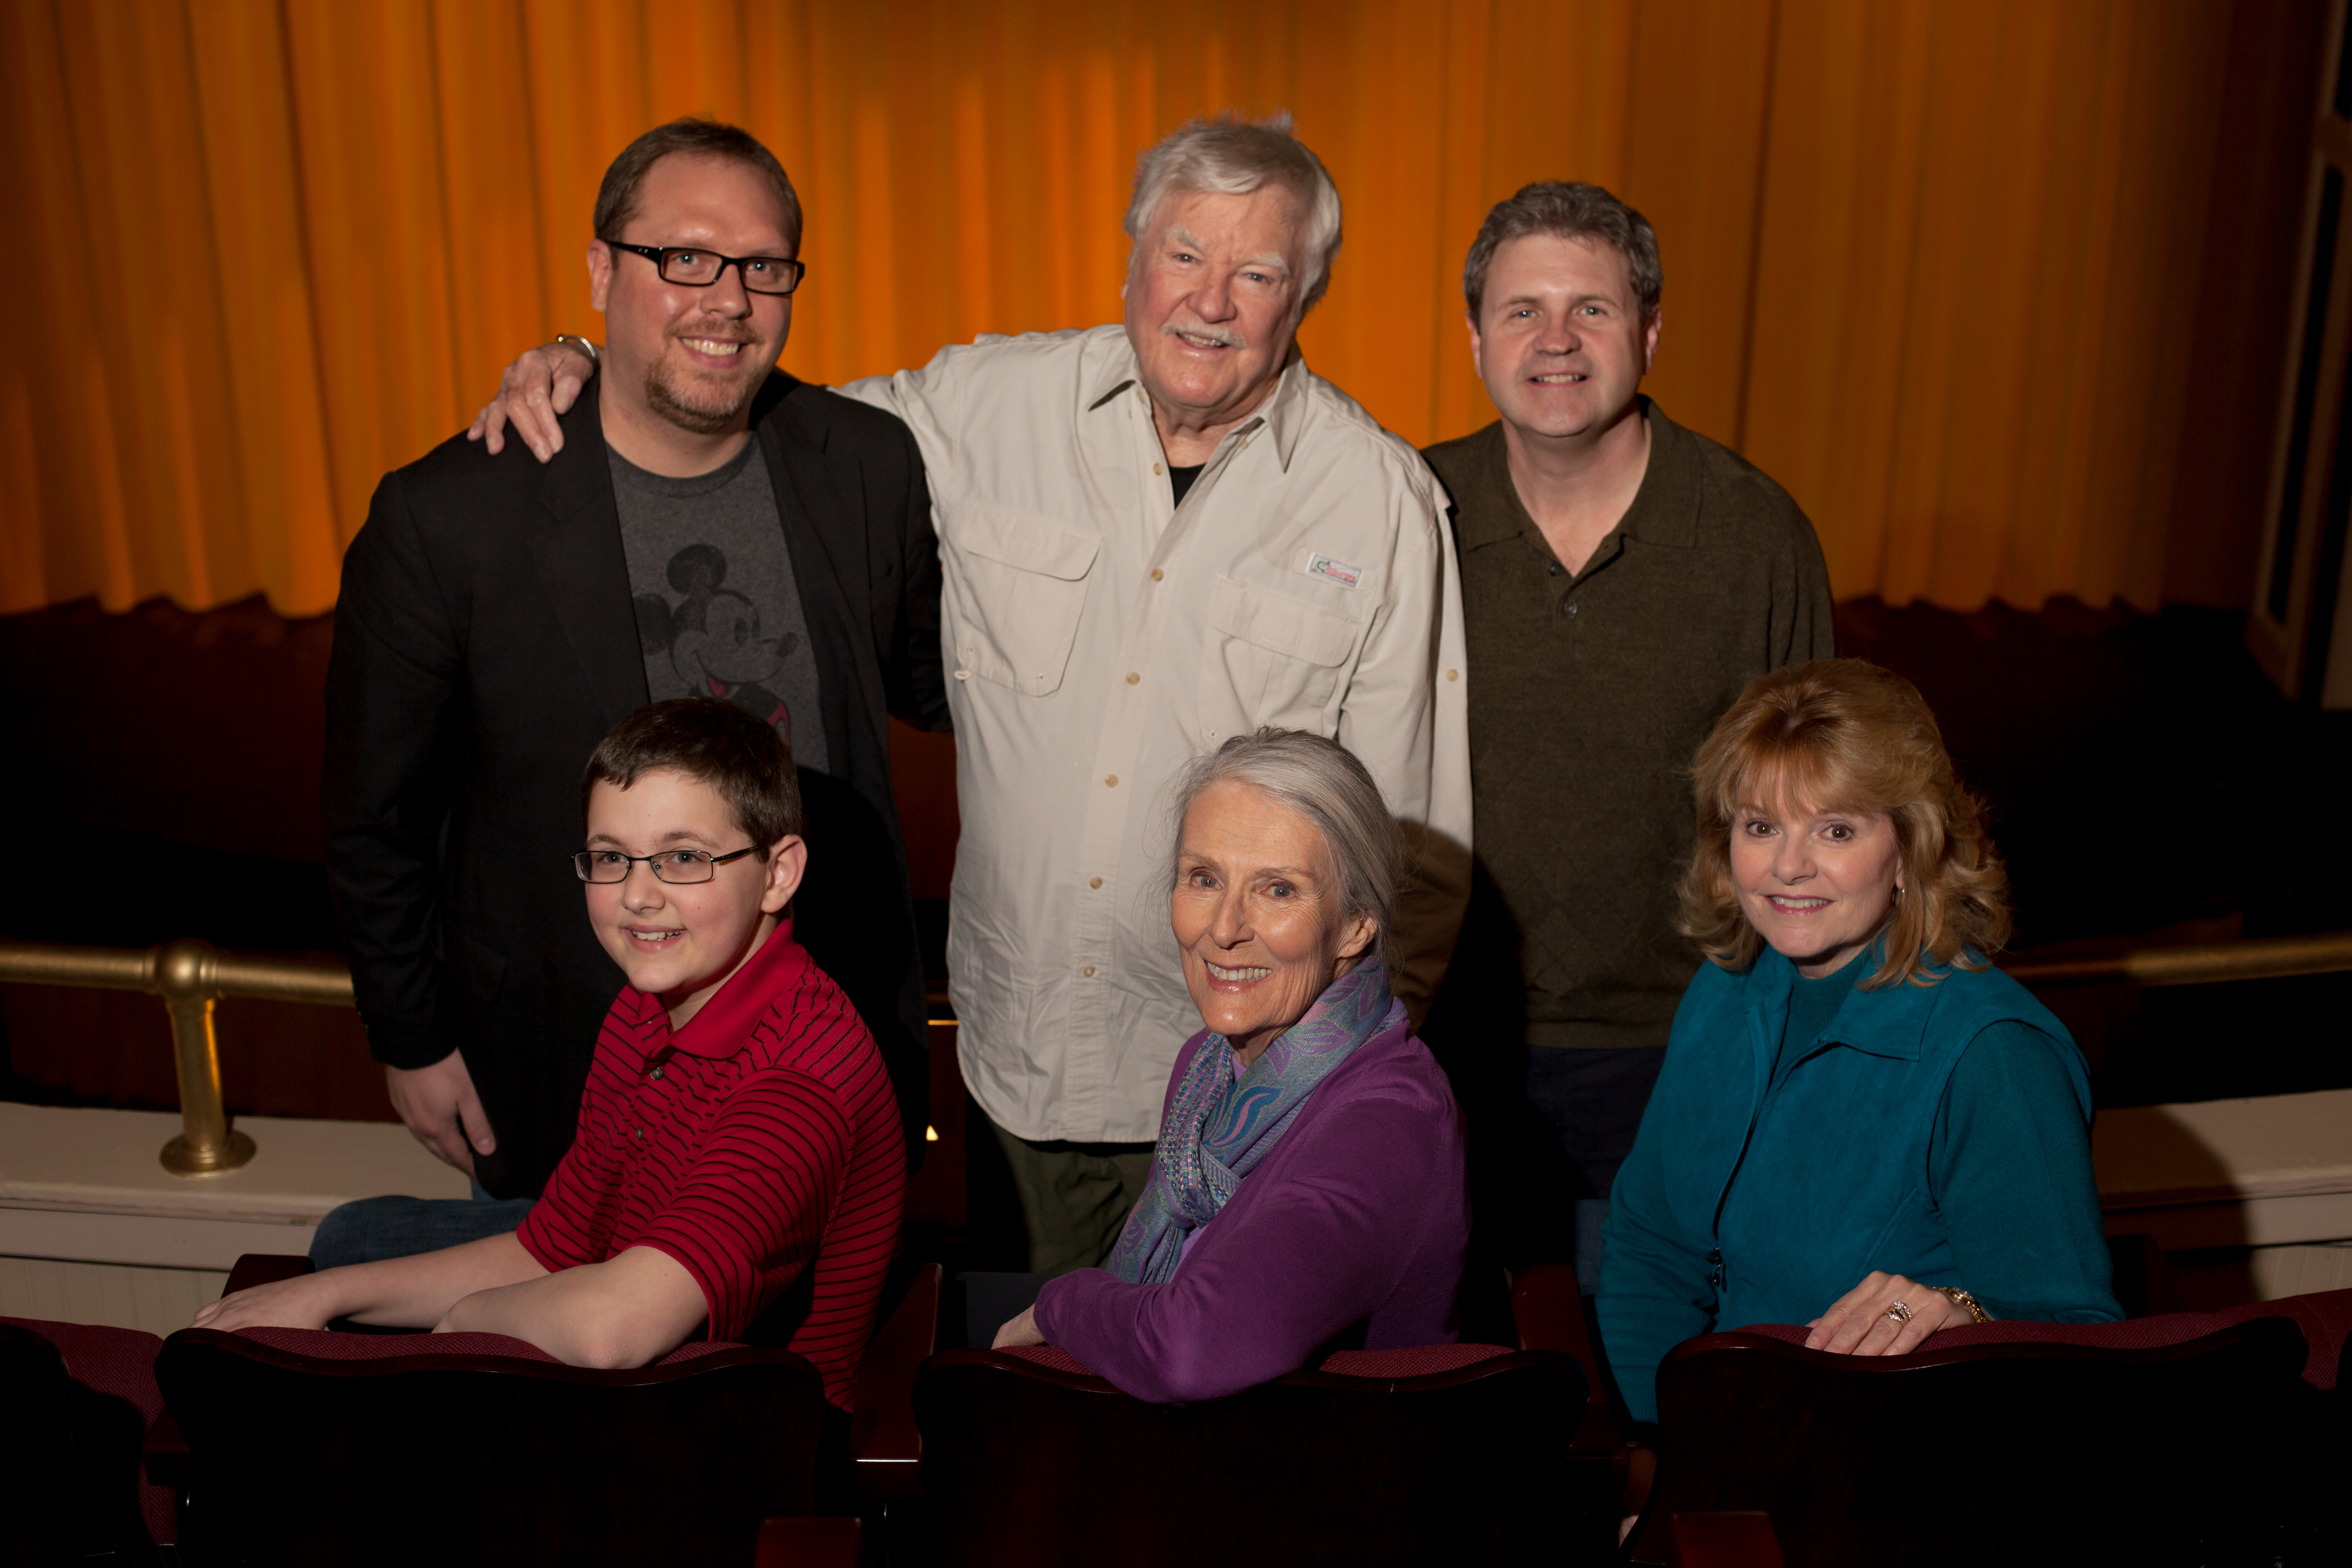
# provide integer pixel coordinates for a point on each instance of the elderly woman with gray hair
(1309, 1172)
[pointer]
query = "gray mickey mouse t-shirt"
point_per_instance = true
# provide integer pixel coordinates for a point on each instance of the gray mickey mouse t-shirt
(719, 613)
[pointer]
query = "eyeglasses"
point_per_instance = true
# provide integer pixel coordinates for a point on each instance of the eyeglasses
(669, 866)
(702, 269)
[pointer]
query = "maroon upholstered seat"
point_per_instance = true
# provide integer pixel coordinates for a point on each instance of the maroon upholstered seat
(81, 1407)
(2326, 1319)
(309, 1447)
(1444, 1453)
(2153, 1441)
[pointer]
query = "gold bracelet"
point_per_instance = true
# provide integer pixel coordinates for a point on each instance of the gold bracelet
(573, 339)
(1976, 1315)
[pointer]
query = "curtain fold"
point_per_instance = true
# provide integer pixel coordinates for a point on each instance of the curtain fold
(1929, 262)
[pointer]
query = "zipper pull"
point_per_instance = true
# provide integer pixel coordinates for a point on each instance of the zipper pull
(1715, 1257)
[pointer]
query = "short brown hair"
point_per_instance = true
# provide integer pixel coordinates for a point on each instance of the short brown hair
(1843, 734)
(730, 749)
(616, 199)
(1569, 212)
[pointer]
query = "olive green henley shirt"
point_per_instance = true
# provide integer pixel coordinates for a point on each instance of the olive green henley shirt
(1588, 695)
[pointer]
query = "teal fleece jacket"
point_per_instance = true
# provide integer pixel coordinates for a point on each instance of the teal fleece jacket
(1937, 1131)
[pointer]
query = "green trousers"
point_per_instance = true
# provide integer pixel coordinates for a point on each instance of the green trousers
(1074, 1197)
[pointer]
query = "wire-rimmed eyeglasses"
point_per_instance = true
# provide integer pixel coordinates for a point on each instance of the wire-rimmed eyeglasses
(700, 269)
(668, 865)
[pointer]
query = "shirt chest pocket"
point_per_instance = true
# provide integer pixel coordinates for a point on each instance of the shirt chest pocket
(1271, 659)
(1015, 595)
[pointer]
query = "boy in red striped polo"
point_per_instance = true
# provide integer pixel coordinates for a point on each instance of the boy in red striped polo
(738, 1151)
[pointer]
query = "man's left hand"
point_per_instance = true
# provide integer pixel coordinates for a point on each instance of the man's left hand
(1862, 1322)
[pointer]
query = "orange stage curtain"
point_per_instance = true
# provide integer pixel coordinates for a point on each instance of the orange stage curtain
(1931, 263)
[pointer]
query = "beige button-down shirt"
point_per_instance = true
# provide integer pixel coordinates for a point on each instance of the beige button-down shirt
(1101, 636)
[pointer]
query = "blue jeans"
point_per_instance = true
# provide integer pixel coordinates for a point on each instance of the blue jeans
(371, 1229)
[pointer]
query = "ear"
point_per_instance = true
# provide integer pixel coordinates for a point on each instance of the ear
(1649, 339)
(787, 863)
(600, 275)
(1356, 936)
(1477, 345)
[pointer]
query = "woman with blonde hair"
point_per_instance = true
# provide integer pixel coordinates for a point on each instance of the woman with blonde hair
(1861, 1124)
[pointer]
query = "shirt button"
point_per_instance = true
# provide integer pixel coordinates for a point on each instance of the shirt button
(655, 1073)
(1088, 971)
(1156, 574)
(1094, 882)
(1553, 568)
(1134, 676)
(1110, 781)
(1158, 467)
(1453, 674)
(638, 1133)
(1569, 608)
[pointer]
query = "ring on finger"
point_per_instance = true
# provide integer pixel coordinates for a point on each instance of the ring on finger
(1899, 1312)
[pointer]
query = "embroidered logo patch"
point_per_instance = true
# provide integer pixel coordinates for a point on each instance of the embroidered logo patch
(1332, 571)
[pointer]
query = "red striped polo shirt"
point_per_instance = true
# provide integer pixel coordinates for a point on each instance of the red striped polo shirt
(758, 1142)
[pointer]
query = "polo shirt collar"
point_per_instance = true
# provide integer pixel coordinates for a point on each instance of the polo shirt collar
(1283, 414)
(723, 1026)
(1665, 510)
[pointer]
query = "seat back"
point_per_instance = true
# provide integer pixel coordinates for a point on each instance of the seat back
(1449, 1454)
(78, 1399)
(2040, 1451)
(308, 1447)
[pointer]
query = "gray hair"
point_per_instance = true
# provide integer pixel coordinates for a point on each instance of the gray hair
(1229, 156)
(1322, 780)
(1569, 212)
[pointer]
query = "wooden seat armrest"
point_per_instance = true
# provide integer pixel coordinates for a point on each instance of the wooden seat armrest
(808, 1543)
(166, 1454)
(1547, 1308)
(883, 1436)
(264, 1268)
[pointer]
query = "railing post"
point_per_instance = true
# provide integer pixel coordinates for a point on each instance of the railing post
(186, 974)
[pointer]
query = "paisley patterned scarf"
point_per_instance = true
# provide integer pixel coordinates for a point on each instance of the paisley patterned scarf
(1220, 1127)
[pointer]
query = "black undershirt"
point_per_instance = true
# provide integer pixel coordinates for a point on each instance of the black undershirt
(1180, 480)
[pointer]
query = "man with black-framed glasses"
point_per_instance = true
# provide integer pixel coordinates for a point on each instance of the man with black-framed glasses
(734, 533)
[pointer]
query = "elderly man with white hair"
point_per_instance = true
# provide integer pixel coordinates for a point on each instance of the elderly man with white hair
(1155, 535)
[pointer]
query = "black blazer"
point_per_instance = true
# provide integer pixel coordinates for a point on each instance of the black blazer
(485, 640)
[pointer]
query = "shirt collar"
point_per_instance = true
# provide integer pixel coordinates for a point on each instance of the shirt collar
(1665, 509)
(1892, 1022)
(1283, 414)
(723, 1025)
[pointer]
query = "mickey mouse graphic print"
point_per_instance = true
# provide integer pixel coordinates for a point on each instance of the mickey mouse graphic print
(718, 613)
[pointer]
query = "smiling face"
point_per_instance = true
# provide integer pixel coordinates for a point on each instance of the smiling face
(680, 941)
(1559, 340)
(1213, 294)
(1816, 884)
(690, 356)
(1257, 915)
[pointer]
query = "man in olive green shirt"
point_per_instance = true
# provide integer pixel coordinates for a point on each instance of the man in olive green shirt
(1623, 579)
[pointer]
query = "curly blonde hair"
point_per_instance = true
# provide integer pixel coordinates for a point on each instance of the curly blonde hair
(1844, 734)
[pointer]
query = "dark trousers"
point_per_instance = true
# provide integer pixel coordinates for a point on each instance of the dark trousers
(1592, 1101)
(371, 1229)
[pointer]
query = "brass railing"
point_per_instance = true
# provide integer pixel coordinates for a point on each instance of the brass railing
(2256, 958)
(190, 976)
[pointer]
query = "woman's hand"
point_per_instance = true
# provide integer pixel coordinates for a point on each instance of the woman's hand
(544, 382)
(1020, 1330)
(1861, 1322)
(306, 1302)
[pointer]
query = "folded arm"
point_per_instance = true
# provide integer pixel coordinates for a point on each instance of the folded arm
(1258, 1291)
(630, 1309)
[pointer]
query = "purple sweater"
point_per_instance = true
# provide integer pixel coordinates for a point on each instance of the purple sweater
(1359, 1214)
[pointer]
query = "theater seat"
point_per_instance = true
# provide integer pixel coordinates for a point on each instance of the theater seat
(306, 1446)
(2153, 1441)
(1450, 1453)
(78, 1399)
